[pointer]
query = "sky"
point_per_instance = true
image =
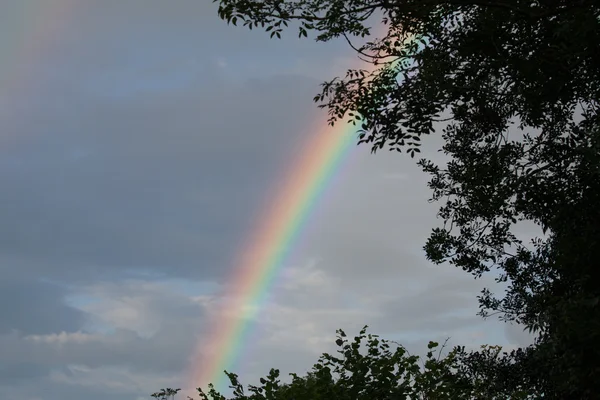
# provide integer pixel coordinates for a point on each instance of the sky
(140, 142)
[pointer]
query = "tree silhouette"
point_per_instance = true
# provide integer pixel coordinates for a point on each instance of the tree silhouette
(383, 370)
(164, 394)
(517, 84)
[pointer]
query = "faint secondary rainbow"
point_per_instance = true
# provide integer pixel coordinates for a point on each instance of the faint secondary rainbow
(264, 255)
(27, 39)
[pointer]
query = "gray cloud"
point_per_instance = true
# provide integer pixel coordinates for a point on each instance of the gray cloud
(167, 185)
(177, 320)
(32, 307)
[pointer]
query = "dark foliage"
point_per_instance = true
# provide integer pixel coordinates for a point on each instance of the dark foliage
(518, 84)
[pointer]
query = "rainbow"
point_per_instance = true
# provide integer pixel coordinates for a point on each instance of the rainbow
(29, 37)
(265, 254)
(266, 250)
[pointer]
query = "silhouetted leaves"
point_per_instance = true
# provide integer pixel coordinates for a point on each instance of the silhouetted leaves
(165, 394)
(382, 370)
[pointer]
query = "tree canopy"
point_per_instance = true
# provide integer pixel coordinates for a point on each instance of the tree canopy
(517, 85)
(372, 368)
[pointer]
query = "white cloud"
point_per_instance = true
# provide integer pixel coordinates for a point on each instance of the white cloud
(64, 338)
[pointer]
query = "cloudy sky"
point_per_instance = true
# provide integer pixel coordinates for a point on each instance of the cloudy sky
(140, 142)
